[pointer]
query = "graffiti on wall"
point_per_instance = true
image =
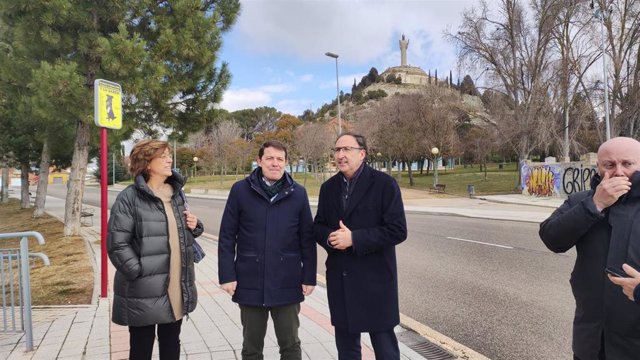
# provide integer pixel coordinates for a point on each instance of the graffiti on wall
(577, 179)
(560, 179)
(542, 180)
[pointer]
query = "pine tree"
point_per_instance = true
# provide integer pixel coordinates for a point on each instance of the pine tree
(164, 55)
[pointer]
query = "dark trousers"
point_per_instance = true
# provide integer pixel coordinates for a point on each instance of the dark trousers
(254, 328)
(385, 345)
(141, 340)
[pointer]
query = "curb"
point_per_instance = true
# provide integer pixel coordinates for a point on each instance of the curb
(498, 201)
(428, 333)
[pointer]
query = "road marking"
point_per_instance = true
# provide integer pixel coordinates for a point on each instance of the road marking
(480, 242)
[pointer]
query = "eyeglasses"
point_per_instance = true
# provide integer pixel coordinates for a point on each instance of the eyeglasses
(345, 149)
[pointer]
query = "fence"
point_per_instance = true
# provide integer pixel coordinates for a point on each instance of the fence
(16, 286)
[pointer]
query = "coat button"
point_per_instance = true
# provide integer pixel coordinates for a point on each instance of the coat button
(344, 273)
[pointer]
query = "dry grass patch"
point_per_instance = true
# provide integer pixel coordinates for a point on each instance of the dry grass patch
(69, 278)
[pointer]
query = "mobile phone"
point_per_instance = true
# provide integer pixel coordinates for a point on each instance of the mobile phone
(615, 272)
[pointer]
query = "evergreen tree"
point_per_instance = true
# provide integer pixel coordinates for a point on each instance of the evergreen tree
(373, 76)
(468, 87)
(120, 168)
(164, 55)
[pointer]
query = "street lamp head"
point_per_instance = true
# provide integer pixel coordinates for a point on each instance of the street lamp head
(330, 54)
(195, 159)
(435, 151)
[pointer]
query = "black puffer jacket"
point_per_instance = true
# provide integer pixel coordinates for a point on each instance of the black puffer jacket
(138, 246)
(601, 239)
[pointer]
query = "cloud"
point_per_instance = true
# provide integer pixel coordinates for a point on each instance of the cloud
(306, 78)
(238, 99)
(293, 107)
(359, 31)
(248, 98)
(277, 88)
(345, 80)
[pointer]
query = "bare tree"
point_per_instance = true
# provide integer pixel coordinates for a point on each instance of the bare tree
(480, 142)
(238, 154)
(440, 111)
(515, 49)
(622, 27)
(220, 138)
(572, 45)
(313, 141)
(399, 132)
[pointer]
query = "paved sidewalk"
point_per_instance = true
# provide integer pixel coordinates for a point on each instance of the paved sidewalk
(213, 331)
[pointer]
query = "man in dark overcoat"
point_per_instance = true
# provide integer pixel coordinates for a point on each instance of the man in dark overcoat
(266, 253)
(359, 221)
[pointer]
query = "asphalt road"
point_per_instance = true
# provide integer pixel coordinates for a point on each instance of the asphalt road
(488, 284)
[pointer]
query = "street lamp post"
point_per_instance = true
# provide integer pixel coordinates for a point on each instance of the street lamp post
(195, 166)
(335, 56)
(435, 151)
(600, 15)
(175, 159)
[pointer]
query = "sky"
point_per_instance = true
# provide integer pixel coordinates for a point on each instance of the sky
(275, 51)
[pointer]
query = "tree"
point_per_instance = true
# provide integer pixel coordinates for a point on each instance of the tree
(479, 143)
(468, 87)
(256, 121)
(286, 132)
(307, 116)
(571, 42)
(398, 133)
(622, 34)
(373, 75)
(121, 172)
(239, 154)
(313, 141)
(54, 86)
(163, 54)
(17, 143)
(515, 49)
(222, 136)
(376, 94)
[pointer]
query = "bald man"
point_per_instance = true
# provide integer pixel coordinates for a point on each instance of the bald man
(602, 224)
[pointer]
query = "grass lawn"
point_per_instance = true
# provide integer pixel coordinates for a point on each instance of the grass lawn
(69, 278)
(498, 181)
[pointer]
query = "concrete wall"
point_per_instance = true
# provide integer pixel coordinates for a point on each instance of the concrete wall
(556, 179)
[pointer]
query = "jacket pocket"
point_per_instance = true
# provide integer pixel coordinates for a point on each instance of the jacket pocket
(290, 271)
(248, 271)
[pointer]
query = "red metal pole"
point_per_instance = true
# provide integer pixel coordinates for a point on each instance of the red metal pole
(104, 173)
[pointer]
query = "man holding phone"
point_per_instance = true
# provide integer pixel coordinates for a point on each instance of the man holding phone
(600, 224)
(629, 281)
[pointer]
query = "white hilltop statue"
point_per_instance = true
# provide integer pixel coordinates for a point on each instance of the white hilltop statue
(407, 73)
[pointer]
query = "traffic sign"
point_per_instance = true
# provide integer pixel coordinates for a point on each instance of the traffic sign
(107, 101)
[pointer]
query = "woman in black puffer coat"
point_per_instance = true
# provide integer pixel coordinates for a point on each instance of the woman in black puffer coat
(149, 242)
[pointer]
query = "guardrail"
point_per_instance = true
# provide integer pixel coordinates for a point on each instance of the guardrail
(16, 283)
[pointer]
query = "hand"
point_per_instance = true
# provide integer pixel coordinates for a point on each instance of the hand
(341, 238)
(229, 287)
(192, 220)
(307, 289)
(609, 190)
(628, 284)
